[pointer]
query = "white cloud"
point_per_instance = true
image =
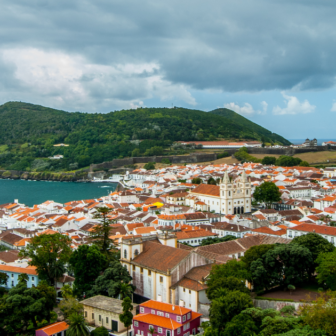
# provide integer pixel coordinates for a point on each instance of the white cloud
(294, 106)
(72, 82)
(333, 107)
(247, 108)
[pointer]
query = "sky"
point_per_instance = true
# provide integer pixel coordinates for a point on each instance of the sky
(271, 61)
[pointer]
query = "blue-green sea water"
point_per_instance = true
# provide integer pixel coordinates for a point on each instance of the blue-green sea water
(36, 192)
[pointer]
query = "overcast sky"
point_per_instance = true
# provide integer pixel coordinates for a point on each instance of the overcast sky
(271, 61)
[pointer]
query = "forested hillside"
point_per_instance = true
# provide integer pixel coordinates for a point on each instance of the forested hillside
(29, 132)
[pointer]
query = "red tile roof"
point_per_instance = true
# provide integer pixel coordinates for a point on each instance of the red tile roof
(54, 328)
(324, 230)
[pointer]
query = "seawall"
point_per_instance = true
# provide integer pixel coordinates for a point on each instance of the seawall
(44, 176)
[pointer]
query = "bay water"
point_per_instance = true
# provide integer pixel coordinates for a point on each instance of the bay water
(36, 192)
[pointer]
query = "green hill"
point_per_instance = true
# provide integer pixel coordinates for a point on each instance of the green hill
(257, 130)
(28, 133)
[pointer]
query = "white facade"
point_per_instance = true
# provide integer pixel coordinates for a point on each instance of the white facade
(234, 196)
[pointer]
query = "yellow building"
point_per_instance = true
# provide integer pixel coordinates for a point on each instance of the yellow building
(104, 311)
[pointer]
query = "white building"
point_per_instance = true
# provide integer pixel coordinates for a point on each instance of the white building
(230, 197)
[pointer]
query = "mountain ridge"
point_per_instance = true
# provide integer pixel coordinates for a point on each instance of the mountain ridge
(28, 132)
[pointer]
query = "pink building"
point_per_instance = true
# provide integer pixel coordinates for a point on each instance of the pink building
(166, 320)
(55, 329)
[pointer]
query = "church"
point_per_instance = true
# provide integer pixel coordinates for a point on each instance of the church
(229, 197)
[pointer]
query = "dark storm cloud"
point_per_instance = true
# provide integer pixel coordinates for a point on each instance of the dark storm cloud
(236, 45)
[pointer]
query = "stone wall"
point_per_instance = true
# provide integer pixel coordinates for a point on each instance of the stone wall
(178, 159)
(267, 304)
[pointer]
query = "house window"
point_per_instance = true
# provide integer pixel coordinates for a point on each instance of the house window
(107, 320)
(12, 283)
(85, 313)
(189, 291)
(149, 273)
(92, 315)
(141, 270)
(161, 279)
(99, 318)
(188, 316)
(142, 309)
(160, 330)
(178, 330)
(136, 324)
(160, 313)
(33, 279)
(168, 333)
(133, 267)
(153, 311)
(167, 315)
(12, 275)
(178, 318)
(184, 318)
(183, 289)
(125, 254)
(136, 253)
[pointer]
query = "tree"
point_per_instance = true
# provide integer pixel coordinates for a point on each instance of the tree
(321, 314)
(212, 181)
(126, 290)
(287, 161)
(291, 288)
(49, 253)
(282, 265)
(136, 152)
(109, 283)
(268, 160)
(165, 161)
(196, 180)
(100, 331)
(69, 305)
(23, 307)
(227, 283)
(304, 164)
(77, 326)
(100, 234)
(254, 253)
(149, 166)
(316, 244)
(242, 325)
(224, 308)
(216, 240)
(3, 278)
(126, 317)
(232, 268)
(326, 269)
(267, 193)
(304, 331)
(87, 263)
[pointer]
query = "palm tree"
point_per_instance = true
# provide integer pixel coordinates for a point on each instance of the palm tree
(125, 289)
(77, 326)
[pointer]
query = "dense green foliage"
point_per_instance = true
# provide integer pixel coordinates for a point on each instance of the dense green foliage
(49, 253)
(258, 132)
(268, 160)
(24, 310)
(326, 269)
(100, 331)
(87, 262)
(210, 241)
(29, 132)
(267, 193)
(126, 317)
(281, 266)
(243, 156)
(316, 244)
(287, 161)
(77, 326)
(111, 281)
(254, 253)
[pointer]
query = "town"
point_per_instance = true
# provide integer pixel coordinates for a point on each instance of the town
(171, 250)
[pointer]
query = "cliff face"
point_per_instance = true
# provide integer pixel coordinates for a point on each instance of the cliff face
(43, 176)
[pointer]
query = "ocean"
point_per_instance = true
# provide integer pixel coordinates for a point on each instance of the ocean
(36, 192)
(301, 141)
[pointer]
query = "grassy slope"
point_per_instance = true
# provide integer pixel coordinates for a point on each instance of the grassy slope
(257, 129)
